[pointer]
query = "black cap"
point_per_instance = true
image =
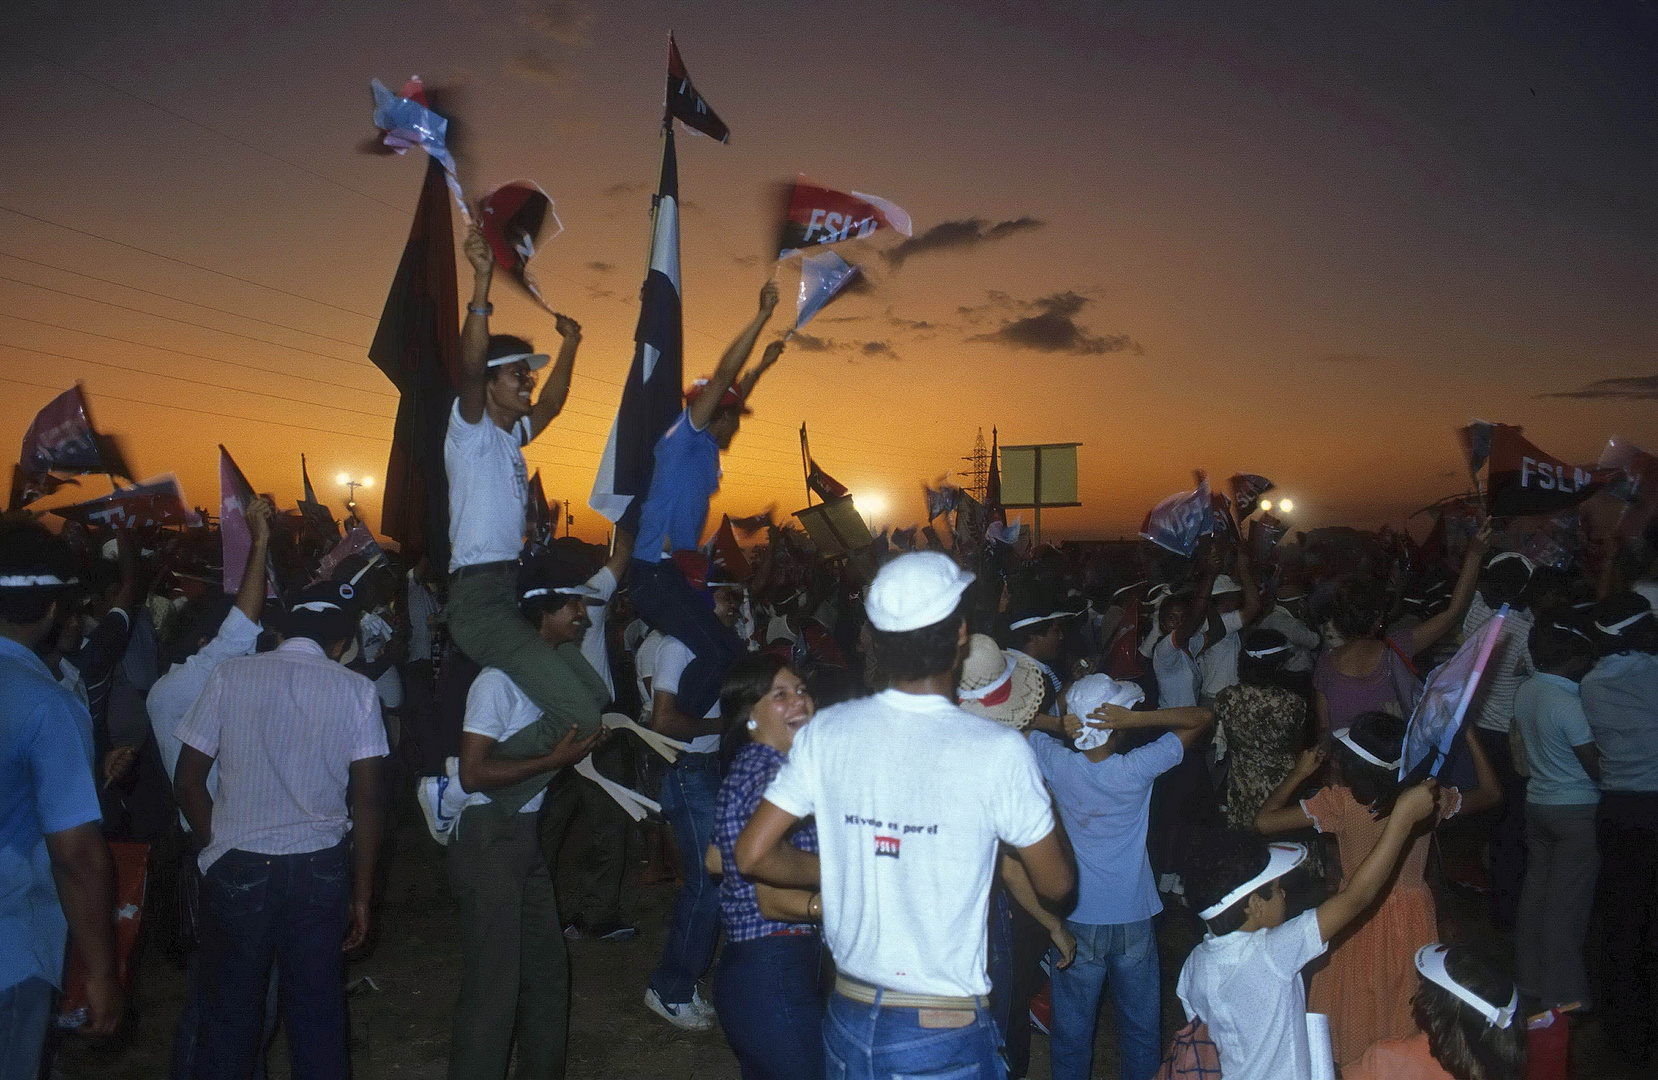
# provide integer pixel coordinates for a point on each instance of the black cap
(555, 570)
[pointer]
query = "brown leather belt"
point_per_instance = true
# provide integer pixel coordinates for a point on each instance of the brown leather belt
(858, 990)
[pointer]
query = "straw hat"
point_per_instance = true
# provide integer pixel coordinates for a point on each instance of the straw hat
(999, 685)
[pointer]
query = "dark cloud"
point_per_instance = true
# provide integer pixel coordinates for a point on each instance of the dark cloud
(1628, 388)
(909, 324)
(618, 190)
(878, 350)
(1054, 329)
(600, 266)
(1351, 358)
(566, 22)
(813, 343)
(959, 235)
(537, 67)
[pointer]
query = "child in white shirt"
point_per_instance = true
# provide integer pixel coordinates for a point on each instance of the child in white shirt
(1244, 979)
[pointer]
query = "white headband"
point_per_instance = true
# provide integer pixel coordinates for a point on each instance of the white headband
(1614, 629)
(1281, 860)
(1262, 654)
(584, 591)
(33, 581)
(1034, 619)
(1345, 737)
(1430, 962)
(528, 357)
(316, 605)
(1503, 555)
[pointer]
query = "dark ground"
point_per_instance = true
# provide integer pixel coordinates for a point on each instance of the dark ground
(401, 1029)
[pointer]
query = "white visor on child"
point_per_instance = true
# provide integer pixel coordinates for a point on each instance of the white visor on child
(1345, 737)
(1430, 962)
(1281, 859)
(536, 360)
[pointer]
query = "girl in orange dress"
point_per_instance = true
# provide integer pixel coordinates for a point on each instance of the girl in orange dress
(1367, 985)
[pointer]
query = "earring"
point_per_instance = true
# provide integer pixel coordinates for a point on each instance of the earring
(754, 725)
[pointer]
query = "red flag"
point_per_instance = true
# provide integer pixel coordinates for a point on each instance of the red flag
(512, 218)
(1122, 657)
(825, 486)
(417, 346)
(730, 552)
(686, 104)
(359, 541)
(26, 489)
(542, 526)
(1522, 479)
(820, 215)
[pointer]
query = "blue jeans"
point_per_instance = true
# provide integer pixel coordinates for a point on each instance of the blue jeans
(187, 1032)
(688, 793)
(766, 994)
(1126, 954)
(25, 1015)
(291, 910)
(666, 601)
(868, 1042)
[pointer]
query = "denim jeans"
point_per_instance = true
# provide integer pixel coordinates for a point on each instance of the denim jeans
(187, 1032)
(766, 995)
(1017, 944)
(291, 910)
(1125, 954)
(666, 601)
(25, 1015)
(688, 793)
(868, 1042)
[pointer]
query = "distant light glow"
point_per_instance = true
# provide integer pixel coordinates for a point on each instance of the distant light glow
(343, 479)
(1266, 504)
(1286, 505)
(872, 503)
(367, 481)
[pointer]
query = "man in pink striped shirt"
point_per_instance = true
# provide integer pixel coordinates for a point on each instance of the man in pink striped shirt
(282, 882)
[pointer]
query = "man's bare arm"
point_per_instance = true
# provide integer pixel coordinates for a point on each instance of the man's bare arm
(556, 389)
(745, 384)
(85, 877)
(667, 718)
(765, 854)
(1048, 867)
(702, 410)
(190, 787)
(474, 357)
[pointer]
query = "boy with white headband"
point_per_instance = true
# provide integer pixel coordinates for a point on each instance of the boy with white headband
(1244, 979)
(1620, 701)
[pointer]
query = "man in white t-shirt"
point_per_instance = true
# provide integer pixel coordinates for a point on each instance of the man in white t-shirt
(493, 419)
(912, 797)
(515, 986)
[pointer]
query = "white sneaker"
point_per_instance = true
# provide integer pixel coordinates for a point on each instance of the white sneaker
(685, 1016)
(701, 1005)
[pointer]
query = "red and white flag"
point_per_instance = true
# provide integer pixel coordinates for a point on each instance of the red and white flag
(512, 219)
(819, 215)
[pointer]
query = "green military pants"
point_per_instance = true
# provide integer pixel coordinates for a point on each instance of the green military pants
(601, 838)
(516, 983)
(485, 622)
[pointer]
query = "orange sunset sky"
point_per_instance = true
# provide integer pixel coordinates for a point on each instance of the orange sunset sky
(1301, 242)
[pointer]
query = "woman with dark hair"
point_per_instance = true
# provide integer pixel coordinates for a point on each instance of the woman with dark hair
(1262, 719)
(1368, 672)
(766, 985)
(1469, 1031)
(1366, 987)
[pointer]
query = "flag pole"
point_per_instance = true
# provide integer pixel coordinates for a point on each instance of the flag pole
(806, 463)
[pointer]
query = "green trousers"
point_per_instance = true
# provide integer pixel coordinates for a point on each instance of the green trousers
(600, 838)
(516, 983)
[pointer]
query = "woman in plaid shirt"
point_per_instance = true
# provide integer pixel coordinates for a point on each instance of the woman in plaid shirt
(766, 986)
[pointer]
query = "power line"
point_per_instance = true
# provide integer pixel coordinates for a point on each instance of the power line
(181, 300)
(196, 356)
(188, 322)
(186, 262)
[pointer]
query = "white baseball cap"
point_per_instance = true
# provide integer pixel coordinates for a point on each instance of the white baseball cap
(915, 590)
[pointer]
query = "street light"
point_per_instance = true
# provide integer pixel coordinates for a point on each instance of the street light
(874, 505)
(1285, 505)
(1266, 504)
(351, 486)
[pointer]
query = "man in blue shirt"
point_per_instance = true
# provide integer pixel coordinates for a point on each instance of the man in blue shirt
(1620, 701)
(1561, 799)
(1104, 799)
(685, 477)
(55, 868)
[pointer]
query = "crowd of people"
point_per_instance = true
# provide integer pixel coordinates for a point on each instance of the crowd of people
(926, 799)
